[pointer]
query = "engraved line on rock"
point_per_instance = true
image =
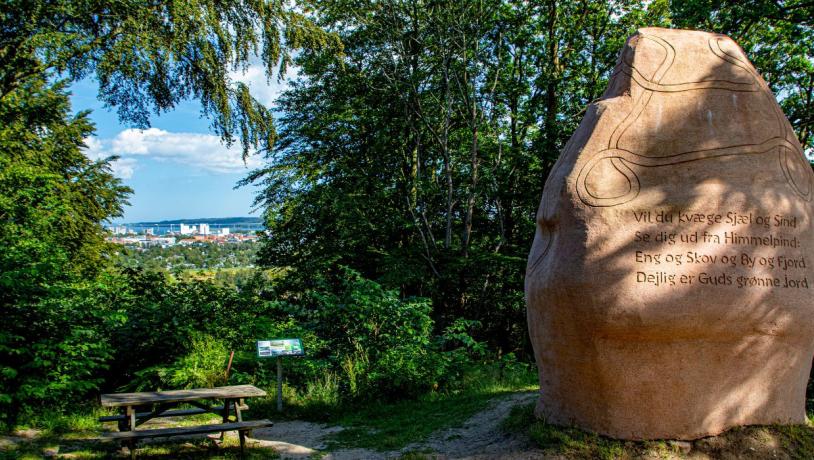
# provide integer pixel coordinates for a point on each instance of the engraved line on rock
(625, 156)
(784, 154)
(644, 98)
(620, 157)
(549, 237)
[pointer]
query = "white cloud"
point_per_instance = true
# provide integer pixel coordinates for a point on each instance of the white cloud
(122, 167)
(202, 151)
(94, 149)
(264, 90)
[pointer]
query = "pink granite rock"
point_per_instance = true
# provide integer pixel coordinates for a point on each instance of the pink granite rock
(670, 284)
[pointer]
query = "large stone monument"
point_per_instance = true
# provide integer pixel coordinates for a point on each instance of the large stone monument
(670, 288)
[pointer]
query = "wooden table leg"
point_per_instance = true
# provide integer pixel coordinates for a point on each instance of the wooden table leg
(123, 423)
(241, 433)
(226, 403)
(131, 414)
(238, 415)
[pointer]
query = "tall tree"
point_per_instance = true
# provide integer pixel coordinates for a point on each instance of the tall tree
(149, 56)
(52, 202)
(419, 158)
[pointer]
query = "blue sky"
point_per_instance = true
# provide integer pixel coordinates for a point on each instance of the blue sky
(177, 168)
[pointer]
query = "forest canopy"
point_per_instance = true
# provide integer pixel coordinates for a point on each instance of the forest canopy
(419, 158)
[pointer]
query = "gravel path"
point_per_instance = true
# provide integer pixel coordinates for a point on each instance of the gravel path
(480, 437)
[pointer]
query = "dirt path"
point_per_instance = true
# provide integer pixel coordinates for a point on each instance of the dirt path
(480, 437)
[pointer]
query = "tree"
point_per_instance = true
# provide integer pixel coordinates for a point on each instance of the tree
(418, 159)
(52, 201)
(149, 56)
(52, 197)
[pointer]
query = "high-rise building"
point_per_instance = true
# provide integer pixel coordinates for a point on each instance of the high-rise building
(203, 229)
(120, 230)
(187, 229)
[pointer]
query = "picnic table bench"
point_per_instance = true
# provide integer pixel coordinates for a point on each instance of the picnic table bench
(162, 404)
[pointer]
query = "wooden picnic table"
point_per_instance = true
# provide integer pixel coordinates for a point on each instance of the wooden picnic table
(137, 408)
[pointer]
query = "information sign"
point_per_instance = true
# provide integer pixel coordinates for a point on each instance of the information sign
(279, 347)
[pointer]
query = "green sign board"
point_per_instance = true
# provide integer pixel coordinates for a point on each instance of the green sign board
(279, 347)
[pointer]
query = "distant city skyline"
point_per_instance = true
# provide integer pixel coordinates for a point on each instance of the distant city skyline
(220, 221)
(176, 168)
(190, 227)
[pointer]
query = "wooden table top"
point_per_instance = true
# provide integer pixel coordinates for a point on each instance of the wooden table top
(152, 397)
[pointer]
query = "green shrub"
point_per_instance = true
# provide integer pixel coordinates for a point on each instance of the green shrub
(382, 343)
(58, 349)
(204, 366)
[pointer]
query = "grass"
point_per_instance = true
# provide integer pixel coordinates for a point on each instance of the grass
(186, 449)
(754, 442)
(570, 442)
(81, 421)
(394, 426)
(382, 426)
(74, 433)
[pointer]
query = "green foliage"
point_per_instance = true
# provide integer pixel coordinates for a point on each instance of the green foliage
(419, 157)
(321, 394)
(64, 350)
(52, 197)
(203, 366)
(382, 345)
(165, 319)
(52, 200)
(148, 56)
(176, 259)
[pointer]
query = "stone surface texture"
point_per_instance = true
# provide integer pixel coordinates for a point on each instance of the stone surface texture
(669, 286)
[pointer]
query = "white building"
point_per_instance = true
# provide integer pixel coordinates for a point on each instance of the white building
(187, 229)
(224, 231)
(203, 229)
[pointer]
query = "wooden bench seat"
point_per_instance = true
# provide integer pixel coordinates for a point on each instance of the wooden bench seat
(187, 430)
(130, 437)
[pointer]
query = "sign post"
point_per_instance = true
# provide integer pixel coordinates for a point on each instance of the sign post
(279, 384)
(277, 348)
